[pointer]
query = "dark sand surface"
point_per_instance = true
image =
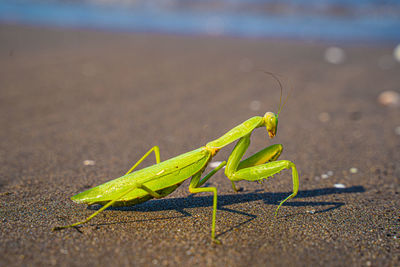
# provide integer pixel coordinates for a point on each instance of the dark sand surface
(70, 96)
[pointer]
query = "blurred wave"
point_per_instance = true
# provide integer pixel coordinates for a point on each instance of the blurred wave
(339, 20)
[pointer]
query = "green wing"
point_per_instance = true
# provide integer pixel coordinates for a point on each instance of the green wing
(163, 177)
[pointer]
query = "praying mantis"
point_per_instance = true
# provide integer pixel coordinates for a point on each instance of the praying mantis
(162, 178)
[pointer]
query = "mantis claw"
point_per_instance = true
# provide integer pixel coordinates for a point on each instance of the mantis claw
(216, 241)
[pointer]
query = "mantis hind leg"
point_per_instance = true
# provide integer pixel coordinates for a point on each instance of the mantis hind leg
(97, 212)
(194, 187)
(136, 186)
(148, 190)
(156, 152)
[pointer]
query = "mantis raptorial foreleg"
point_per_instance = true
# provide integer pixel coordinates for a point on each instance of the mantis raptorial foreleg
(267, 154)
(260, 172)
(253, 169)
(194, 187)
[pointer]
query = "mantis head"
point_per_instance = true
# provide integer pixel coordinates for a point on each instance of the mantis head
(271, 122)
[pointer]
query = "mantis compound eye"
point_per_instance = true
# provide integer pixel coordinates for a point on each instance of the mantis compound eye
(271, 120)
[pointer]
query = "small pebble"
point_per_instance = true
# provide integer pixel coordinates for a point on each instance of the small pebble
(255, 105)
(324, 176)
(89, 162)
(339, 186)
(397, 130)
(215, 164)
(389, 99)
(329, 173)
(334, 55)
(353, 170)
(324, 117)
(368, 263)
(316, 178)
(396, 53)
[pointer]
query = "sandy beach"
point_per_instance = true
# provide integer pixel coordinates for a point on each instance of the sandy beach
(79, 108)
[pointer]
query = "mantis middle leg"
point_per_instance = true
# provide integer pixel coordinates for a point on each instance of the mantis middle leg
(194, 187)
(253, 169)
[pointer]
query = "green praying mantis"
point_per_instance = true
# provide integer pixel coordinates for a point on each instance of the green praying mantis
(162, 178)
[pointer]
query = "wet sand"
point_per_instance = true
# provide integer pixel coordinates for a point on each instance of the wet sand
(69, 96)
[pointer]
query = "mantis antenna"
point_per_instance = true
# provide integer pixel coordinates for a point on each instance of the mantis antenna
(275, 76)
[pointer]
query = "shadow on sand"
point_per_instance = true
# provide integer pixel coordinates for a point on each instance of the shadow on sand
(192, 201)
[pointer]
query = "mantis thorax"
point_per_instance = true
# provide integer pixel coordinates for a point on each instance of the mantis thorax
(212, 150)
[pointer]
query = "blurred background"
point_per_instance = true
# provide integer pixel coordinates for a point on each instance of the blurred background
(343, 20)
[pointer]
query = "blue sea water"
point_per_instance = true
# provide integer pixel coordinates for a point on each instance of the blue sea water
(330, 20)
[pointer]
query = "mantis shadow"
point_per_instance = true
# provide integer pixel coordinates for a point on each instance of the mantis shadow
(180, 204)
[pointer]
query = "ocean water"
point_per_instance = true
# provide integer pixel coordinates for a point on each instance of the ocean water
(327, 20)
